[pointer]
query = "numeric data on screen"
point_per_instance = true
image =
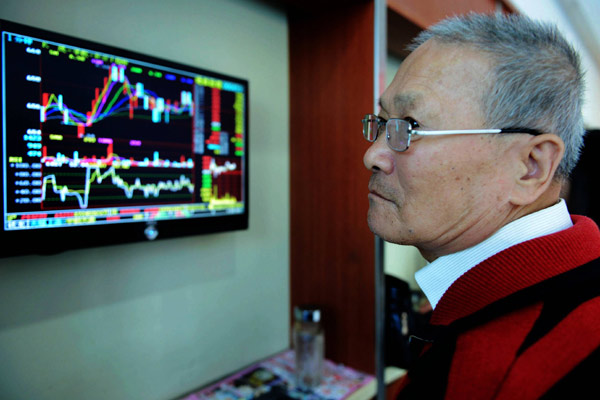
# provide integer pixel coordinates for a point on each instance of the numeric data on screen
(94, 138)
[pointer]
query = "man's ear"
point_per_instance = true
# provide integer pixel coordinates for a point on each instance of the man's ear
(539, 158)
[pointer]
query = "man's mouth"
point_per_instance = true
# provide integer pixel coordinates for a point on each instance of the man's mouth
(375, 193)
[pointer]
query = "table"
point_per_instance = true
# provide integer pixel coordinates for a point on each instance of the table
(273, 379)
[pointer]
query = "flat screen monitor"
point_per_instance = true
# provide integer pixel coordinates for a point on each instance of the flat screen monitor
(102, 145)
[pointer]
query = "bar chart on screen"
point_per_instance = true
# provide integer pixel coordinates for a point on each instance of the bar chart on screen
(108, 135)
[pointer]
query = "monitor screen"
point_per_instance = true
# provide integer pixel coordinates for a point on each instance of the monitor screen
(101, 145)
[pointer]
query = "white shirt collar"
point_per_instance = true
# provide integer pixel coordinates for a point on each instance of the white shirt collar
(435, 278)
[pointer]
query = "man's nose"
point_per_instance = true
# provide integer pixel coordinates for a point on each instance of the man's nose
(379, 157)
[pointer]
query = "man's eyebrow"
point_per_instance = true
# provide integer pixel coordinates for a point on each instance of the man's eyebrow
(401, 103)
(405, 102)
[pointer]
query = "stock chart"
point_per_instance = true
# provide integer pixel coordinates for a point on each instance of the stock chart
(96, 138)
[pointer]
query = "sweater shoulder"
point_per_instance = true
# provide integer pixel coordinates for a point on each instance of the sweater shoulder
(517, 268)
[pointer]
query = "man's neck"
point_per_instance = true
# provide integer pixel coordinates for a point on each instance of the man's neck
(512, 213)
(436, 277)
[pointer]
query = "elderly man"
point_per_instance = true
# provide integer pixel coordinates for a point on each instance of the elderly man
(476, 135)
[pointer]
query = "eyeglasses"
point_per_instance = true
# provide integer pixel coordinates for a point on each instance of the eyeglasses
(399, 131)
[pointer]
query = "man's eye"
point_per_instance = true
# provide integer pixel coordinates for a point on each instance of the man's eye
(412, 122)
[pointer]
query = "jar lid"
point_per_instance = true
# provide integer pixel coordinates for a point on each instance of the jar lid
(307, 314)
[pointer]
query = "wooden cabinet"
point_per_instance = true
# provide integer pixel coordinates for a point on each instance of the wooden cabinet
(332, 249)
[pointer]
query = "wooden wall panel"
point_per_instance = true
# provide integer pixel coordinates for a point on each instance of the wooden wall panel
(332, 249)
(427, 12)
(400, 32)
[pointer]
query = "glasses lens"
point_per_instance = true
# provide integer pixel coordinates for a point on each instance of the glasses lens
(397, 134)
(370, 126)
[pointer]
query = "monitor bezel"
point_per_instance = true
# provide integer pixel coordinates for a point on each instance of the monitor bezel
(60, 239)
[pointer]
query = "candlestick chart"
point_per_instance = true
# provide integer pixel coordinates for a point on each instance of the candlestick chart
(91, 137)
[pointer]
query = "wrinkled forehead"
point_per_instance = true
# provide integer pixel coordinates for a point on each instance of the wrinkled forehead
(437, 74)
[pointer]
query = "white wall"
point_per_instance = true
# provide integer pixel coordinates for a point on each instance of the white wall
(552, 11)
(155, 320)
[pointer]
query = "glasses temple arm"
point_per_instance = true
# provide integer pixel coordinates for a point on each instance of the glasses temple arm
(456, 132)
(477, 131)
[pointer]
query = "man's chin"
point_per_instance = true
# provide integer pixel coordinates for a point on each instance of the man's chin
(381, 227)
(377, 226)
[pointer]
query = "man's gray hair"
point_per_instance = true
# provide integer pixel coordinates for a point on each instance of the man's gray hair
(536, 79)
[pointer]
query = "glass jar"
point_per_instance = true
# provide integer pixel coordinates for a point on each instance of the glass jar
(309, 346)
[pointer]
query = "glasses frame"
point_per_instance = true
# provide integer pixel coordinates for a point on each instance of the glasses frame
(372, 124)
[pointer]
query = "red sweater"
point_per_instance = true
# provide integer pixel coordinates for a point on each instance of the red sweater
(521, 324)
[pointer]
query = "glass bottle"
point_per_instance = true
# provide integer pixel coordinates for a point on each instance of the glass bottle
(309, 346)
